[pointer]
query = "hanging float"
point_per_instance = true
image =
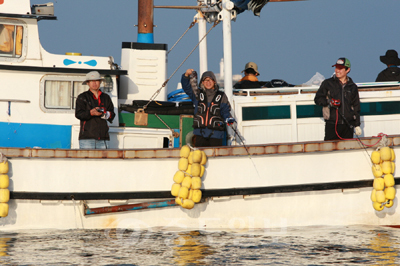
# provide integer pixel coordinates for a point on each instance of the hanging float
(4, 183)
(187, 180)
(383, 168)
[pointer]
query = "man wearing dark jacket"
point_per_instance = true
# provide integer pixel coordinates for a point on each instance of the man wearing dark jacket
(392, 72)
(341, 103)
(212, 108)
(94, 109)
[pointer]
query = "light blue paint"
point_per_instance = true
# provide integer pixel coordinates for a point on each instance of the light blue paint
(16, 135)
(68, 62)
(91, 63)
(176, 140)
(145, 38)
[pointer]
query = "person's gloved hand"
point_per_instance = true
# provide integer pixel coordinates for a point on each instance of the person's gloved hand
(229, 121)
(106, 115)
(334, 103)
(358, 131)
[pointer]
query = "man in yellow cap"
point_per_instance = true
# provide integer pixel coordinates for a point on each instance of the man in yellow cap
(250, 79)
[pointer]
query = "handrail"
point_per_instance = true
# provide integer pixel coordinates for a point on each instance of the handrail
(14, 101)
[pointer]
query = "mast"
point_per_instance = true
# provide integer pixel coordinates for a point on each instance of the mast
(145, 21)
(227, 6)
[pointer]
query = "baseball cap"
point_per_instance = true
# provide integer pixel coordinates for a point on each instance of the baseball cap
(343, 61)
(251, 65)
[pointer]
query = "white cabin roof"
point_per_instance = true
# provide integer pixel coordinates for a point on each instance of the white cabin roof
(15, 6)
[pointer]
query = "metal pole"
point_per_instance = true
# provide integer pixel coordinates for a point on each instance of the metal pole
(227, 37)
(203, 54)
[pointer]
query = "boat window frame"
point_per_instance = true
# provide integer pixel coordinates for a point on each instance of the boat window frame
(69, 78)
(17, 22)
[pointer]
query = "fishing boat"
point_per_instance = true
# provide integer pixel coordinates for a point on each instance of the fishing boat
(275, 171)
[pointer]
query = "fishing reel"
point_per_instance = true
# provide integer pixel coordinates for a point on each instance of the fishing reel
(335, 103)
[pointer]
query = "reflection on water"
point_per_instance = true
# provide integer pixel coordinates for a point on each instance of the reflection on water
(385, 247)
(359, 245)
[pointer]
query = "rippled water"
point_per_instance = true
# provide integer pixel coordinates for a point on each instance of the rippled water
(359, 245)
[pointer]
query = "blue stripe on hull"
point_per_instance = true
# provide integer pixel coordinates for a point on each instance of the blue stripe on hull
(22, 135)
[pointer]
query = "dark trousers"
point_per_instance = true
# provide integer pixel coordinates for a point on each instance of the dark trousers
(344, 131)
(200, 141)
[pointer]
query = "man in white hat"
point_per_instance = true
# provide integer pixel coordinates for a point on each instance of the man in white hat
(392, 72)
(94, 108)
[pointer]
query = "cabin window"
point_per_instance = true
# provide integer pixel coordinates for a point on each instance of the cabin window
(62, 94)
(266, 112)
(11, 40)
(380, 108)
(308, 111)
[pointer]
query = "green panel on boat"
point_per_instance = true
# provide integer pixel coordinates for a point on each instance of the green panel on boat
(187, 127)
(306, 111)
(153, 121)
(372, 108)
(266, 112)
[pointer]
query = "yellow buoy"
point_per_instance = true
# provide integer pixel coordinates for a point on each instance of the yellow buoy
(373, 195)
(183, 192)
(196, 195)
(4, 181)
(178, 177)
(3, 209)
(190, 194)
(386, 154)
(387, 167)
(4, 195)
(393, 166)
(375, 157)
(187, 182)
(187, 204)
(389, 180)
(183, 164)
(175, 189)
(379, 183)
(197, 156)
(203, 158)
(190, 158)
(196, 183)
(377, 206)
(189, 169)
(377, 170)
(389, 203)
(196, 169)
(380, 196)
(202, 170)
(393, 155)
(390, 193)
(4, 167)
(185, 151)
(178, 201)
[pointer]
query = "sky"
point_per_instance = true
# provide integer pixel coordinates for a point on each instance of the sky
(290, 40)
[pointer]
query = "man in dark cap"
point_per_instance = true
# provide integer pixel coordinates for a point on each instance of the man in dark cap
(212, 108)
(341, 103)
(392, 72)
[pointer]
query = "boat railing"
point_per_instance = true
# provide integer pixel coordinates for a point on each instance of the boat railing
(301, 89)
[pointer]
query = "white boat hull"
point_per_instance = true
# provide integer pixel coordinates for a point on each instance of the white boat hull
(300, 184)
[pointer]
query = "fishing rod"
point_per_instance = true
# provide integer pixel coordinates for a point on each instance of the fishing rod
(247, 150)
(353, 129)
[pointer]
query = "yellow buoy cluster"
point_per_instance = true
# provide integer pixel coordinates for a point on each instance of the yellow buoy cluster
(187, 179)
(4, 192)
(383, 168)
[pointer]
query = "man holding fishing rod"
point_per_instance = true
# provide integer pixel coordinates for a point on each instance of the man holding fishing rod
(211, 108)
(341, 103)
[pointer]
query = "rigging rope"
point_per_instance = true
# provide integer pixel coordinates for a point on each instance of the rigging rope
(165, 82)
(190, 26)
